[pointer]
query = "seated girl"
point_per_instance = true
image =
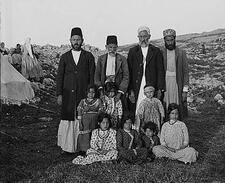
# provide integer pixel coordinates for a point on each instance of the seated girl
(129, 144)
(88, 110)
(174, 139)
(150, 138)
(103, 143)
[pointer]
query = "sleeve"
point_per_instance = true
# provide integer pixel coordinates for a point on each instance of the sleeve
(156, 140)
(160, 71)
(162, 136)
(119, 108)
(125, 81)
(161, 108)
(80, 108)
(141, 110)
(114, 140)
(97, 79)
(119, 141)
(185, 133)
(60, 76)
(138, 140)
(91, 69)
(94, 139)
(185, 71)
(129, 62)
(101, 106)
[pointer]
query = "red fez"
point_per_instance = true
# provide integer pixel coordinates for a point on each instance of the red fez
(76, 31)
(111, 40)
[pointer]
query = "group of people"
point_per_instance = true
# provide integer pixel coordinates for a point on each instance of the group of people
(123, 109)
(24, 60)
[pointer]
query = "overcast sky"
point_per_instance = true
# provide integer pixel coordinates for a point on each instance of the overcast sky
(50, 21)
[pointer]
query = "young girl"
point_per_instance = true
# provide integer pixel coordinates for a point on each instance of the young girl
(150, 109)
(113, 107)
(129, 144)
(150, 138)
(103, 143)
(88, 110)
(174, 139)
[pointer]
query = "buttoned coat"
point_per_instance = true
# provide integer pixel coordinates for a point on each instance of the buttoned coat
(121, 72)
(73, 79)
(182, 75)
(154, 70)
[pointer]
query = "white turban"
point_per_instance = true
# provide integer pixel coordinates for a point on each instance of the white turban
(144, 28)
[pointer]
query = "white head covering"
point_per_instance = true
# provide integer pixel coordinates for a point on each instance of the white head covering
(27, 45)
(144, 28)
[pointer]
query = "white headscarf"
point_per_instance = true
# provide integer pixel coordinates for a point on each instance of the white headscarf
(27, 45)
(144, 28)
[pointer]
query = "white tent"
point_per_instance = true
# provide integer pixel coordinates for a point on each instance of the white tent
(15, 89)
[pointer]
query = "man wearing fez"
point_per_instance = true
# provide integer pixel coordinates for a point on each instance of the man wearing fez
(75, 72)
(145, 63)
(176, 73)
(112, 67)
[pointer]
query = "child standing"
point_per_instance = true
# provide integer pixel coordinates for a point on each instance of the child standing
(88, 110)
(129, 144)
(150, 109)
(174, 139)
(112, 106)
(103, 143)
(150, 138)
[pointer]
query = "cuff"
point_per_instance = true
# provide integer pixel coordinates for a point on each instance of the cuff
(121, 91)
(185, 89)
(78, 117)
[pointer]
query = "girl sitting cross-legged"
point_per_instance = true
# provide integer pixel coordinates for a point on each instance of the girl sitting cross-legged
(129, 143)
(174, 139)
(149, 138)
(103, 143)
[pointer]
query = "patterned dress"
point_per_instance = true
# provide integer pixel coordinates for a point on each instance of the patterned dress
(127, 144)
(175, 136)
(115, 110)
(88, 110)
(151, 110)
(103, 147)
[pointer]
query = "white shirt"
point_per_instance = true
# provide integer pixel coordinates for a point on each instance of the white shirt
(111, 65)
(76, 56)
(144, 51)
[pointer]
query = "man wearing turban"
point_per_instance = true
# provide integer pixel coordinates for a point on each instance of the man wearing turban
(176, 73)
(145, 63)
(75, 72)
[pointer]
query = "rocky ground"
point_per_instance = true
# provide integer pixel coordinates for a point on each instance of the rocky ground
(28, 149)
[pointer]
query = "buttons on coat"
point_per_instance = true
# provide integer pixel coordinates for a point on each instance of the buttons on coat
(72, 90)
(75, 72)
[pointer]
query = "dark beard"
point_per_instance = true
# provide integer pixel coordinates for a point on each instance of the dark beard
(170, 47)
(76, 47)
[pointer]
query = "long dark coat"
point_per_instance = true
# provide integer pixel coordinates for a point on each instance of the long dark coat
(72, 81)
(182, 76)
(154, 71)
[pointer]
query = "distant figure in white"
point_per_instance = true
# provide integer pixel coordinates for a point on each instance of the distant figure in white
(31, 68)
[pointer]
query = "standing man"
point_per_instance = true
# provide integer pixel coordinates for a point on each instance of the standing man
(145, 63)
(176, 68)
(112, 67)
(75, 72)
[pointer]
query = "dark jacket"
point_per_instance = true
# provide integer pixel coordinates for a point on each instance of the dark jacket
(72, 81)
(154, 72)
(121, 72)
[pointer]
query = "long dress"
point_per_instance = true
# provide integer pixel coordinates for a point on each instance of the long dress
(115, 110)
(175, 136)
(127, 144)
(151, 110)
(30, 66)
(103, 148)
(15, 89)
(89, 111)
